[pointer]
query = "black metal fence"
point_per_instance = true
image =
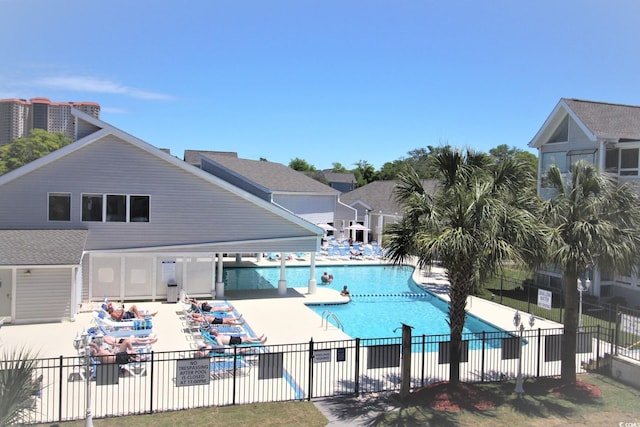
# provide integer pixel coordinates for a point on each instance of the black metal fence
(523, 295)
(169, 381)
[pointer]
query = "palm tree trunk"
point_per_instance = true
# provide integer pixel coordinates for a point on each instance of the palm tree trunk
(568, 369)
(458, 293)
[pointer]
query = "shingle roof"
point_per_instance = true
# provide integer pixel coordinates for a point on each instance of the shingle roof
(339, 176)
(609, 121)
(193, 156)
(379, 195)
(273, 176)
(42, 247)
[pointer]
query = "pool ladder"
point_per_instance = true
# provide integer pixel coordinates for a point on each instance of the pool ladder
(325, 320)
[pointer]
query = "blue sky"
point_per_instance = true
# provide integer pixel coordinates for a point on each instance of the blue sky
(326, 81)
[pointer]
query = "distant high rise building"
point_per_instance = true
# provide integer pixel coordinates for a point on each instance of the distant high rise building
(19, 116)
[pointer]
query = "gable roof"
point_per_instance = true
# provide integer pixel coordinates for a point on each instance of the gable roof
(599, 120)
(42, 247)
(274, 177)
(378, 196)
(104, 129)
(608, 121)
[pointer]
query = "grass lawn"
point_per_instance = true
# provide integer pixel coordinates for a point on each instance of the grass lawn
(538, 407)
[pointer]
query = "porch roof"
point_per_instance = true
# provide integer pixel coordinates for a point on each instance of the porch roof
(42, 247)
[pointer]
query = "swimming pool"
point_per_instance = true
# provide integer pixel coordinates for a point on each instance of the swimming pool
(383, 297)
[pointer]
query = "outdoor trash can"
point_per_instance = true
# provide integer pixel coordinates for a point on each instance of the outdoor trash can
(172, 292)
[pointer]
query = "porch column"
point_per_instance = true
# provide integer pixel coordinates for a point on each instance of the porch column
(259, 256)
(219, 282)
(365, 233)
(379, 239)
(282, 283)
(312, 274)
(238, 258)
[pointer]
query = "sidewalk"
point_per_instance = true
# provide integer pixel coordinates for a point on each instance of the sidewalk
(501, 316)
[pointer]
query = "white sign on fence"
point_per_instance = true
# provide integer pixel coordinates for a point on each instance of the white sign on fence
(322, 356)
(544, 299)
(192, 372)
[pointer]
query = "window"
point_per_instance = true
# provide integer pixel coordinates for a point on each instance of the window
(561, 134)
(587, 155)
(116, 208)
(139, 208)
(59, 207)
(558, 158)
(92, 207)
(629, 162)
(611, 160)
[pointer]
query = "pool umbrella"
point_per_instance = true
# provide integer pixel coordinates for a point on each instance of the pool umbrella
(326, 227)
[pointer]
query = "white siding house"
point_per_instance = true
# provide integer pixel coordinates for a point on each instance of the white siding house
(606, 135)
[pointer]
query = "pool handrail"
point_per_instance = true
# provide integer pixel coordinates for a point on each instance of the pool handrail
(325, 318)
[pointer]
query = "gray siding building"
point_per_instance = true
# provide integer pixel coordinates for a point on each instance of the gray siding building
(142, 218)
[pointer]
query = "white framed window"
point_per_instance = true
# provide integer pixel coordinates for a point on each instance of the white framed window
(116, 208)
(558, 158)
(59, 206)
(138, 208)
(629, 161)
(576, 155)
(92, 207)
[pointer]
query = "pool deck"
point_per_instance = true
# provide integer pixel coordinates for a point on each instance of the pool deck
(283, 319)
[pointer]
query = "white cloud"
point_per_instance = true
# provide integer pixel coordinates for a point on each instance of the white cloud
(113, 110)
(96, 85)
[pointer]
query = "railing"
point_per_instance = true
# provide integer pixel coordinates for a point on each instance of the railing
(325, 320)
(178, 380)
(522, 295)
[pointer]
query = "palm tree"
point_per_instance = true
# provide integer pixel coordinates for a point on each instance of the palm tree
(17, 387)
(482, 214)
(596, 225)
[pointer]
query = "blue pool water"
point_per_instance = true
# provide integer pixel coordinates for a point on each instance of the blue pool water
(383, 297)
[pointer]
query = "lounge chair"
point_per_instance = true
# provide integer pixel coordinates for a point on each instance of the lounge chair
(123, 332)
(226, 367)
(368, 252)
(331, 253)
(102, 317)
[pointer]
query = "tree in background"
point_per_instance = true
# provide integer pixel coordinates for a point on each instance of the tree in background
(301, 165)
(477, 220)
(364, 173)
(596, 224)
(27, 149)
(527, 159)
(337, 167)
